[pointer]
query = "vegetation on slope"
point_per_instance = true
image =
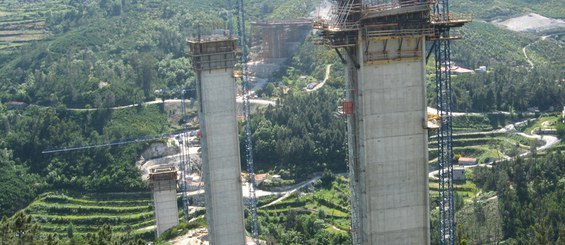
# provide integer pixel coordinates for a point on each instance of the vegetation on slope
(22, 23)
(493, 9)
(55, 213)
(530, 193)
(509, 89)
(319, 215)
(302, 133)
(25, 134)
(22, 229)
(512, 82)
(487, 147)
(105, 53)
(99, 54)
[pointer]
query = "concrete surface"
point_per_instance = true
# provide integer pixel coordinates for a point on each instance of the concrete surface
(166, 209)
(392, 147)
(220, 157)
(164, 191)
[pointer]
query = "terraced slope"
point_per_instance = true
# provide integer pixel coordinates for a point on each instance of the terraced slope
(124, 212)
(22, 23)
(332, 201)
(486, 146)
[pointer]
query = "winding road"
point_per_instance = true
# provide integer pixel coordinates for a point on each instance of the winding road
(326, 76)
(548, 139)
(158, 101)
(525, 47)
(526, 55)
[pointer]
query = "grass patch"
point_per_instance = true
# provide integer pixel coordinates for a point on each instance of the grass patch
(466, 190)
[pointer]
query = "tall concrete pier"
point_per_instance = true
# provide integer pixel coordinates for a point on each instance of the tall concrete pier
(164, 190)
(383, 45)
(213, 58)
(390, 159)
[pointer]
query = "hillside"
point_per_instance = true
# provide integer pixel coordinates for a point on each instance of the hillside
(514, 60)
(68, 63)
(59, 213)
(499, 9)
(65, 65)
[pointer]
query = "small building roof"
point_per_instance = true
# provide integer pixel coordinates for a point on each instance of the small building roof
(461, 70)
(261, 177)
(467, 159)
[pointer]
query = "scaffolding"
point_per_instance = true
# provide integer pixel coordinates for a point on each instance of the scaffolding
(279, 36)
(443, 22)
(243, 59)
(163, 178)
(213, 52)
(384, 20)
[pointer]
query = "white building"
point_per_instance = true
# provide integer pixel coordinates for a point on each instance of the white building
(459, 173)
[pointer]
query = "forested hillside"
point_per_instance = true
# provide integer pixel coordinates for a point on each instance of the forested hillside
(530, 195)
(25, 134)
(491, 9)
(107, 53)
(65, 68)
(525, 69)
(65, 65)
(96, 55)
(305, 134)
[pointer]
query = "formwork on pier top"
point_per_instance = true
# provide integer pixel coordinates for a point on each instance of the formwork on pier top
(213, 52)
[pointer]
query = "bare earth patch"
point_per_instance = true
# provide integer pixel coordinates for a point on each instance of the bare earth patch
(530, 22)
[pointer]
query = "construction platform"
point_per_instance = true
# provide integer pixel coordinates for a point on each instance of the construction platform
(213, 52)
(384, 20)
(281, 37)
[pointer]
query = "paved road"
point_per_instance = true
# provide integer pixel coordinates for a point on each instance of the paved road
(262, 193)
(284, 194)
(239, 99)
(456, 114)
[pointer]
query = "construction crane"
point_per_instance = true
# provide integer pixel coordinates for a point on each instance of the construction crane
(254, 223)
(182, 139)
(443, 21)
(184, 158)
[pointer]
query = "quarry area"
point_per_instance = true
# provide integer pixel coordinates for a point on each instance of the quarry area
(531, 22)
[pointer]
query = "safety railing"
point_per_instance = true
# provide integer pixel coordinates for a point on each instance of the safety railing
(375, 7)
(397, 32)
(451, 35)
(449, 18)
(387, 55)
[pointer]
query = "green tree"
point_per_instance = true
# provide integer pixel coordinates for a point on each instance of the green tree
(24, 230)
(560, 127)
